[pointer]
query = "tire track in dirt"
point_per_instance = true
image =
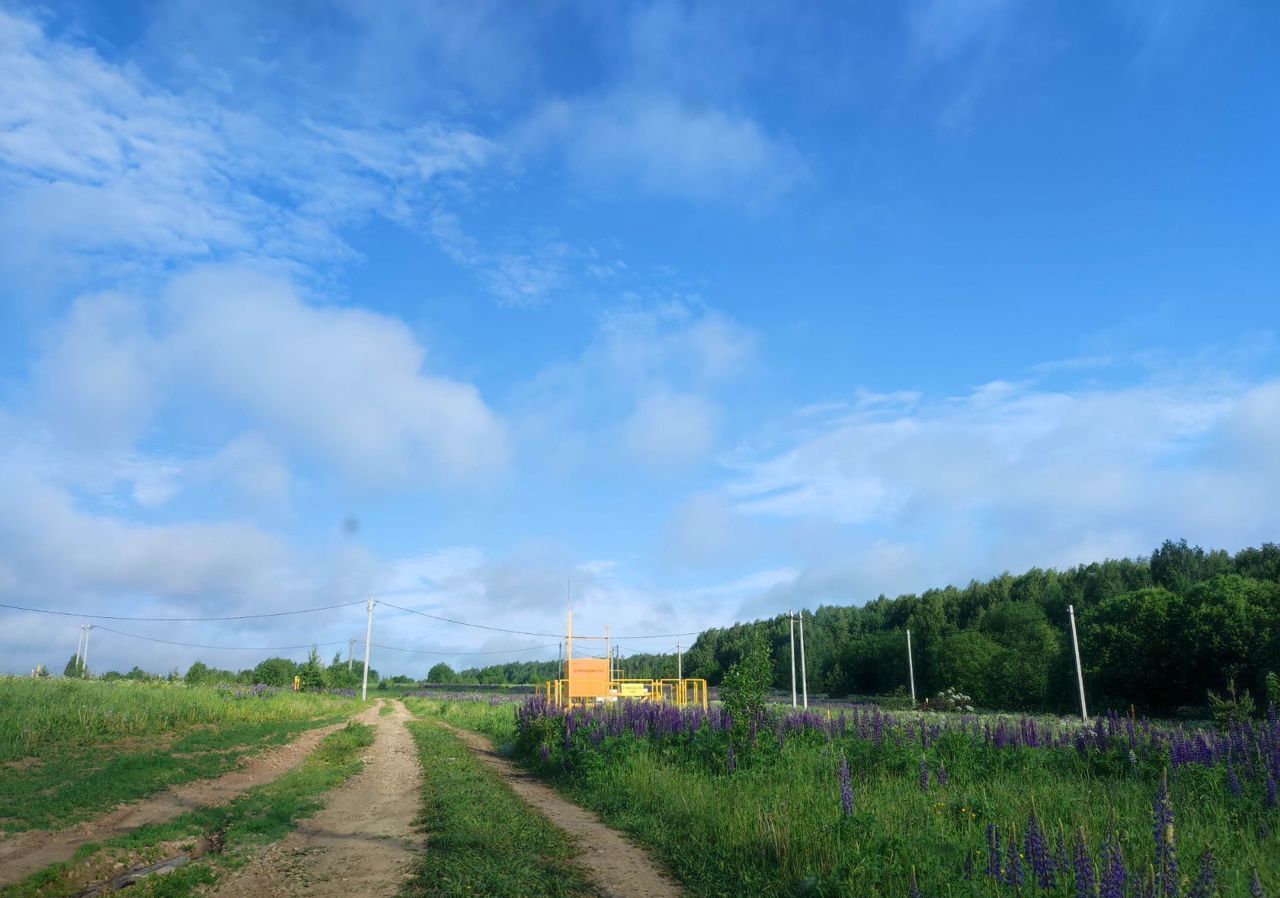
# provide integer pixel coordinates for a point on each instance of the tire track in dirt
(23, 853)
(362, 843)
(616, 866)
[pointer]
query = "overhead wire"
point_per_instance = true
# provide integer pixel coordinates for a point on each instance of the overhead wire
(182, 619)
(310, 645)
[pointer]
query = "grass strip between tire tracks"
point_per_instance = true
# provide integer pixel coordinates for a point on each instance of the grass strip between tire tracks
(481, 838)
(260, 816)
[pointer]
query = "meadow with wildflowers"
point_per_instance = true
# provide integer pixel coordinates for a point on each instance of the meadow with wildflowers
(864, 802)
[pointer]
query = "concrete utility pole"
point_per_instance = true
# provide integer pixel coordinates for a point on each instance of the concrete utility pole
(351, 650)
(911, 669)
(79, 649)
(368, 636)
(791, 615)
(1075, 644)
(804, 670)
(84, 659)
(679, 663)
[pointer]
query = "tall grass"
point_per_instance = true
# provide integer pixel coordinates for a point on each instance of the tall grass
(763, 810)
(37, 714)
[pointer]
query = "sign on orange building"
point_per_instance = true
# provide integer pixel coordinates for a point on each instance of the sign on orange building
(588, 677)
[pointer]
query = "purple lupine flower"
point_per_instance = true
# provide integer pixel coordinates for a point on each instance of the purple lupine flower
(1013, 869)
(1233, 781)
(1086, 882)
(924, 775)
(1255, 887)
(1061, 863)
(1204, 882)
(846, 786)
(1271, 791)
(915, 887)
(732, 761)
(1114, 874)
(942, 773)
(545, 751)
(968, 864)
(1037, 851)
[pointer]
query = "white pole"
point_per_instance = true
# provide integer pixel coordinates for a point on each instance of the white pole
(911, 669)
(368, 635)
(79, 646)
(804, 670)
(1075, 644)
(84, 661)
(679, 663)
(351, 650)
(791, 615)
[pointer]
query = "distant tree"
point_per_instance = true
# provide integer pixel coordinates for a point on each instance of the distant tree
(138, 674)
(312, 672)
(747, 682)
(275, 672)
(1135, 647)
(74, 668)
(197, 673)
(441, 673)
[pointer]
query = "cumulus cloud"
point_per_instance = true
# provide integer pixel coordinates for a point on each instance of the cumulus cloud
(916, 492)
(343, 384)
(647, 385)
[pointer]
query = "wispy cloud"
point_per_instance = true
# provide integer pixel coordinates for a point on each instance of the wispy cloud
(668, 146)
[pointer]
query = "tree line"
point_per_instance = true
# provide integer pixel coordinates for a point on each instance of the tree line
(1159, 633)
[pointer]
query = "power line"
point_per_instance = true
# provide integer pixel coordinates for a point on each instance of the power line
(247, 648)
(181, 619)
(462, 623)
(310, 645)
(531, 648)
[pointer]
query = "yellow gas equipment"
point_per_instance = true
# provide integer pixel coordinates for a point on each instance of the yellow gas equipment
(594, 680)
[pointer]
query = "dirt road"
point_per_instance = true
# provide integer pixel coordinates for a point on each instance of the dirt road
(361, 843)
(21, 854)
(615, 866)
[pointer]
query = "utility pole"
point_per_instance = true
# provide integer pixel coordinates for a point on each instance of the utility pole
(1075, 644)
(79, 647)
(560, 660)
(351, 650)
(84, 660)
(791, 616)
(804, 670)
(368, 636)
(911, 669)
(679, 663)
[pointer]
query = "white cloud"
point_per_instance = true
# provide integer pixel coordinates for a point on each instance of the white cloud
(647, 385)
(1009, 475)
(668, 146)
(97, 381)
(106, 175)
(341, 384)
(670, 429)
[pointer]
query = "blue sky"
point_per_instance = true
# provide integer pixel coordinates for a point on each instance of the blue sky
(710, 310)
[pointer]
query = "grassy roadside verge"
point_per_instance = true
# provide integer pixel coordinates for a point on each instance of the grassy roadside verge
(66, 786)
(482, 839)
(260, 816)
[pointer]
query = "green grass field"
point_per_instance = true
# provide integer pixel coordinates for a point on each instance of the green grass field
(259, 817)
(772, 821)
(70, 749)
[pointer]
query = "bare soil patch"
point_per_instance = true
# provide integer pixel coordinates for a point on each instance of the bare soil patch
(364, 840)
(22, 854)
(617, 867)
